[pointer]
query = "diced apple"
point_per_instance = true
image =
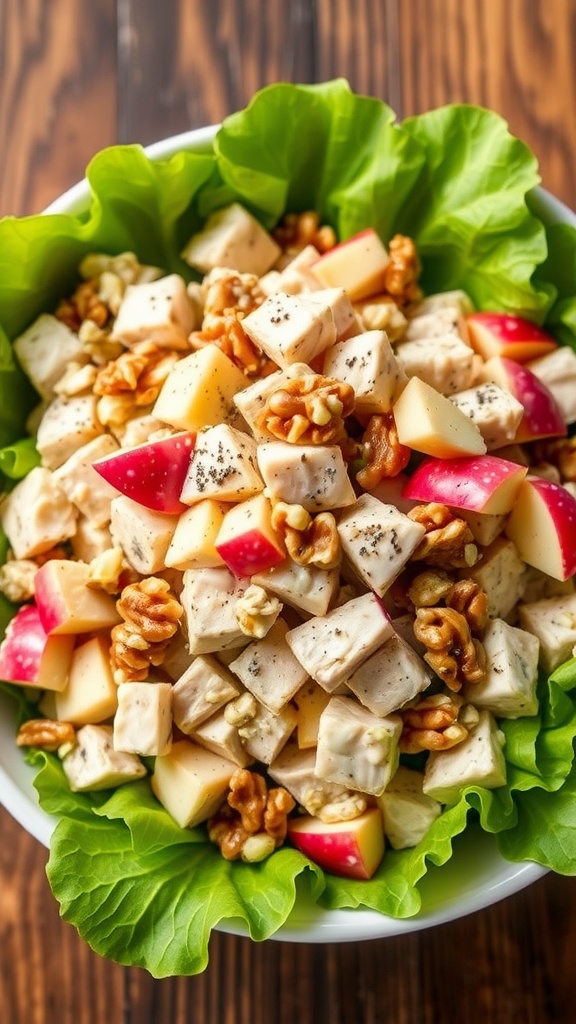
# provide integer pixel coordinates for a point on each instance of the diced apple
(199, 389)
(353, 848)
(232, 237)
(143, 535)
(429, 422)
(481, 483)
(66, 604)
(542, 525)
(542, 415)
(358, 265)
(501, 334)
(91, 695)
(29, 657)
(192, 544)
(152, 473)
(190, 782)
(557, 370)
(246, 541)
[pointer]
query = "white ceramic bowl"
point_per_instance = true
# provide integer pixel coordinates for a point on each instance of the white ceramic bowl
(476, 876)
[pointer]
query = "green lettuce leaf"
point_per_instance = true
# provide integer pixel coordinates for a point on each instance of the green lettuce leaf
(139, 889)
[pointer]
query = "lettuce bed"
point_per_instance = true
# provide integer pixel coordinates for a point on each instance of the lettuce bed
(139, 889)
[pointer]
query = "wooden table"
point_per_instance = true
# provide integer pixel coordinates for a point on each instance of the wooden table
(75, 77)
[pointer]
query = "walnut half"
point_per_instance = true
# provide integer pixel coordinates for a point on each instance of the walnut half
(253, 820)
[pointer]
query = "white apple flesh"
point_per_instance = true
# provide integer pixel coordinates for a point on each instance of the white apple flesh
(542, 525)
(29, 657)
(357, 265)
(151, 473)
(353, 848)
(500, 334)
(483, 483)
(542, 415)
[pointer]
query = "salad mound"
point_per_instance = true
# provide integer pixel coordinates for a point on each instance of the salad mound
(139, 876)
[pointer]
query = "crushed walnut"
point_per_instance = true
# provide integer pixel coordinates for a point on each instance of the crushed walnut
(17, 579)
(448, 542)
(252, 822)
(309, 540)
(227, 333)
(45, 734)
(383, 454)
(84, 304)
(138, 374)
(151, 614)
(451, 651)
(561, 453)
(437, 722)
(310, 409)
(297, 230)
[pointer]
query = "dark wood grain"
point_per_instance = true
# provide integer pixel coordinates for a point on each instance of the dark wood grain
(75, 77)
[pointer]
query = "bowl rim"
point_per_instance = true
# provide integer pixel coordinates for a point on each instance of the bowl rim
(306, 923)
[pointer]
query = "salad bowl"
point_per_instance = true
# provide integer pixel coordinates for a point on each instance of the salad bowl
(177, 184)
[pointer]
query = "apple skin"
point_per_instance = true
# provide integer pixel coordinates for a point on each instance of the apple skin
(66, 605)
(249, 553)
(479, 483)
(501, 334)
(542, 415)
(151, 473)
(542, 526)
(353, 849)
(29, 657)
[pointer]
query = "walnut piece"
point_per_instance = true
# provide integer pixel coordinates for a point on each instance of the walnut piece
(46, 734)
(227, 333)
(448, 542)
(560, 452)
(297, 230)
(151, 613)
(226, 292)
(401, 274)
(84, 304)
(254, 819)
(308, 410)
(256, 611)
(309, 540)
(383, 453)
(452, 653)
(436, 722)
(139, 373)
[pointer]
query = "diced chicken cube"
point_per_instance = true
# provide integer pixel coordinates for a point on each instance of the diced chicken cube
(329, 801)
(289, 329)
(307, 588)
(356, 748)
(315, 477)
(332, 646)
(495, 412)
(378, 540)
(367, 362)
(37, 515)
(90, 540)
(209, 597)
(436, 323)
(143, 535)
(203, 688)
(477, 761)
(264, 733)
(454, 299)
(508, 688)
(407, 812)
(85, 488)
(232, 237)
(159, 311)
(296, 276)
(94, 764)
(500, 573)
(388, 679)
(143, 719)
(269, 669)
(222, 466)
(557, 370)
(446, 363)
(221, 737)
(44, 350)
(67, 425)
(553, 621)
